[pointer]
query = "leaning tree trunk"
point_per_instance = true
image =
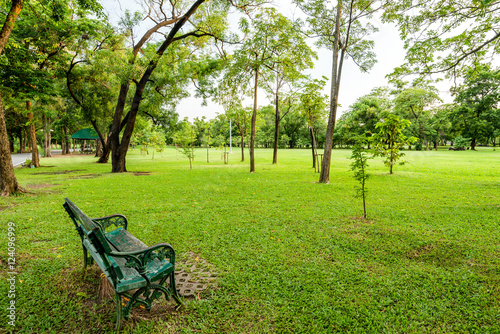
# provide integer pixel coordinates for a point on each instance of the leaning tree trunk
(104, 156)
(8, 181)
(35, 161)
(254, 119)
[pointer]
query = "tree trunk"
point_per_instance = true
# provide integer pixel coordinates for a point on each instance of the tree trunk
(104, 156)
(44, 127)
(8, 181)
(65, 141)
(15, 9)
(242, 147)
(35, 161)
(473, 144)
(254, 118)
(25, 141)
(47, 137)
(63, 144)
(424, 136)
(276, 126)
(98, 149)
(11, 142)
(437, 139)
(313, 146)
(336, 74)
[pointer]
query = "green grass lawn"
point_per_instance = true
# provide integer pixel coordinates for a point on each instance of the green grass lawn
(290, 255)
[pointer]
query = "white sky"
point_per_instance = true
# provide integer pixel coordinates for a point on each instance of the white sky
(354, 84)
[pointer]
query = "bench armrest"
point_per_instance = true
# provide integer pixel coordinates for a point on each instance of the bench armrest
(117, 220)
(140, 258)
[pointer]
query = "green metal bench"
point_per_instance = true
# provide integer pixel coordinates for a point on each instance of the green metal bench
(138, 274)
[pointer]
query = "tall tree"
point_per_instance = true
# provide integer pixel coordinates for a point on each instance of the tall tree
(440, 122)
(414, 103)
(313, 106)
(8, 181)
(256, 55)
(342, 29)
(477, 98)
(291, 56)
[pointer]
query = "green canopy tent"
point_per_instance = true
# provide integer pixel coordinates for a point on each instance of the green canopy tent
(84, 135)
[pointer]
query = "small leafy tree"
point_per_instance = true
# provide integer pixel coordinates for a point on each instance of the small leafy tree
(390, 139)
(359, 165)
(157, 139)
(185, 137)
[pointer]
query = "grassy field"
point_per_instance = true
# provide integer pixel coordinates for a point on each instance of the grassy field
(290, 255)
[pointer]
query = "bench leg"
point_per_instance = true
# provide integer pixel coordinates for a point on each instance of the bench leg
(86, 260)
(174, 291)
(119, 312)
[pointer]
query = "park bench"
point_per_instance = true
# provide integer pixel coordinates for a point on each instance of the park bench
(138, 274)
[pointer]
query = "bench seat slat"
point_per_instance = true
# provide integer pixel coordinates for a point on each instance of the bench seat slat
(124, 241)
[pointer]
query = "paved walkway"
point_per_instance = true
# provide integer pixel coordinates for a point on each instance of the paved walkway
(20, 158)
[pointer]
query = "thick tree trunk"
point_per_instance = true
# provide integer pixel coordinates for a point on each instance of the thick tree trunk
(35, 161)
(8, 181)
(254, 119)
(473, 144)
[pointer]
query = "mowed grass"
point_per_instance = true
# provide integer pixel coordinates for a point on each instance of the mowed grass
(291, 255)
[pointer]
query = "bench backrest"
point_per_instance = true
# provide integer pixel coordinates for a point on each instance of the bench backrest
(87, 228)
